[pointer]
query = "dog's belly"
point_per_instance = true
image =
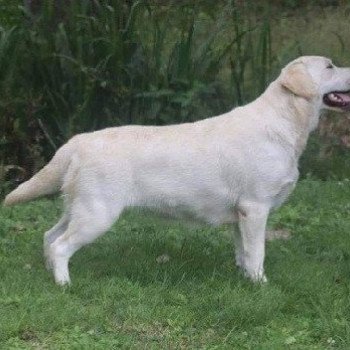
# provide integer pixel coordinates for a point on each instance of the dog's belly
(205, 207)
(213, 216)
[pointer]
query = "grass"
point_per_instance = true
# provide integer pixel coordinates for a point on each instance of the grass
(123, 298)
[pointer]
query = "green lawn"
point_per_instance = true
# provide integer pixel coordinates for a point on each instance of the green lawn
(122, 297)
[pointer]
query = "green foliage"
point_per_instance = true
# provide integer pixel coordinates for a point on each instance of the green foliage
(335, 165)
(10, 12)
(98, 64)
(124, 297)
(77, 66)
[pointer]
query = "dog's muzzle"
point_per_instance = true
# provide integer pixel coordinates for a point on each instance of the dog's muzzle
(338, 99)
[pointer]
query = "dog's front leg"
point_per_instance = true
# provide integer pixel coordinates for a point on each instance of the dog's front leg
(252, 224)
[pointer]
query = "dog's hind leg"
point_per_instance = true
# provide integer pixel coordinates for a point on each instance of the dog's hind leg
(252, 224)
(51, 235)
(89, 220)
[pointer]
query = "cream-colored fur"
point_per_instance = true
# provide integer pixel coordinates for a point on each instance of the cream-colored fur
(233, 167)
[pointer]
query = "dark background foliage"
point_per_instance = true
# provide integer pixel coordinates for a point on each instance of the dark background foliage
(74, 66)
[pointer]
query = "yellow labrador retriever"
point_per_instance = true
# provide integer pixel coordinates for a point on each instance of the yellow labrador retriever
(229, 168)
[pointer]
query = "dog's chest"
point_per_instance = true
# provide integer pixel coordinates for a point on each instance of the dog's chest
(285, 190)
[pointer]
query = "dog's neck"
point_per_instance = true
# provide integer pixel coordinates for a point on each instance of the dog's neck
(302, 115)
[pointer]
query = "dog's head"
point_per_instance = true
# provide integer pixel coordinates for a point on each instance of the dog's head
(313, 77)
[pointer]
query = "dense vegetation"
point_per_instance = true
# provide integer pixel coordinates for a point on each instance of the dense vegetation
(73, 66)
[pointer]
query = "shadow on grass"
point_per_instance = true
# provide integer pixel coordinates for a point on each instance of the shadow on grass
(132, 249)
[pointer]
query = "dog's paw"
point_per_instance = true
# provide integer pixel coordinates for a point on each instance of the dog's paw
(258, 278)
(63, 282)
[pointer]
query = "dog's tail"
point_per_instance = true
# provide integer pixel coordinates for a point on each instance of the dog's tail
(48, 180)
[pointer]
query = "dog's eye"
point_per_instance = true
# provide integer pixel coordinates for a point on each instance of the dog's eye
(330, 66)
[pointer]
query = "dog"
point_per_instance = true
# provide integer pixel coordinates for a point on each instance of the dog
(235, 167)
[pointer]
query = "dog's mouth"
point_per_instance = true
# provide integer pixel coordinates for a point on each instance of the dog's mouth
(338, 99)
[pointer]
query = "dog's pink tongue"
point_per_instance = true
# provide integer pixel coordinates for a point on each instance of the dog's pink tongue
(345, 97)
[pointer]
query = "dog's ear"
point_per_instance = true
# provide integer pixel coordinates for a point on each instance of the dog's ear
(297, 79)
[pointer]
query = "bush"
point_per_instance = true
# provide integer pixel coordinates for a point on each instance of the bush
(98, 64)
